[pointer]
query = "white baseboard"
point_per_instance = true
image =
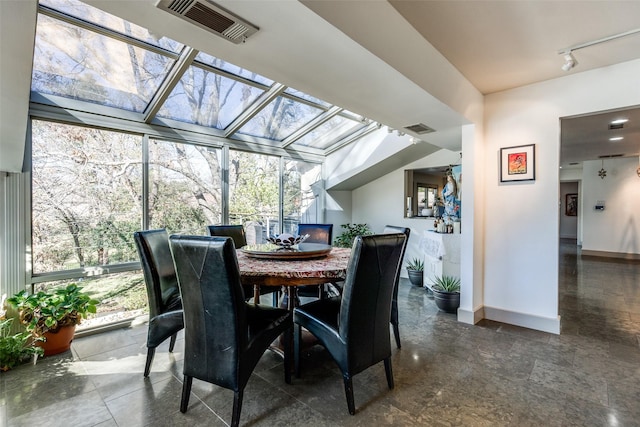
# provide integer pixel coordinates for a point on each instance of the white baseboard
(470, 317)
(545, 324)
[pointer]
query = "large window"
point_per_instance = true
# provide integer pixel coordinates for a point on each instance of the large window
(92, 188)
(86, 196)
(185, 188)
(254, 194)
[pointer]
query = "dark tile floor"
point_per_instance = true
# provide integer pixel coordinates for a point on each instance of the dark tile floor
(446, 374)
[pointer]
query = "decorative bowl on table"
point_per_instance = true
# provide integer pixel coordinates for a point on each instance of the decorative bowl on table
(286, 240)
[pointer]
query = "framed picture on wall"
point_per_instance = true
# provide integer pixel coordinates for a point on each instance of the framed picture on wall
(571, 205)
(518, 163)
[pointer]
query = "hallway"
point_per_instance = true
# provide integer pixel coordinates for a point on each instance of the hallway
(446, 374)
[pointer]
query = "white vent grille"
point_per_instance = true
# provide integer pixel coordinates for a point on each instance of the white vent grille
(211, 17)
(420, 128)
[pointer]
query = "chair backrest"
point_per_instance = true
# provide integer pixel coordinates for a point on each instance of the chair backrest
(236, 232)
(158, 269)
(365, 309)
(390, 229)
(214, 307)
(318, 233)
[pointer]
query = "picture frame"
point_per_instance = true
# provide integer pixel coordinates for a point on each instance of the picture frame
(518, 163)
(571, 204)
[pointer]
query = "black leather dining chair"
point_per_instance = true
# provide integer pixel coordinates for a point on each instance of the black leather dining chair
(318, 233)
(390, 229)
(354, 328)
(225, 336)
(237, 233)
(165, 305)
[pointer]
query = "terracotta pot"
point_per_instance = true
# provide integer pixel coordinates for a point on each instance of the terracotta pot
(59, 341)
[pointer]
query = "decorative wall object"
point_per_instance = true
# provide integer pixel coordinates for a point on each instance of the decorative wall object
(571, 205)
(602, 172)
(518, 163)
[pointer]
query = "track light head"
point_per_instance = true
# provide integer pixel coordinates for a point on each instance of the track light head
(569, 61)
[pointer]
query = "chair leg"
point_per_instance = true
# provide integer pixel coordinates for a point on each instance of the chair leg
(186, 392)
(396, 332)
(348, 391)
(297, 337)
(172, 342)
(288, 338)
(389, 372)
(151, 351)
(237, 408)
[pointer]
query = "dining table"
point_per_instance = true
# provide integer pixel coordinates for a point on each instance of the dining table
(303, 264)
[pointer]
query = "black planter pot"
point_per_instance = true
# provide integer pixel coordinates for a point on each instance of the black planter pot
(447, 301)
(415, 277)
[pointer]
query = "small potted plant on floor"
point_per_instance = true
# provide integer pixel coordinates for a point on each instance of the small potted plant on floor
(446, 293)
(53, 315)
(415, 270)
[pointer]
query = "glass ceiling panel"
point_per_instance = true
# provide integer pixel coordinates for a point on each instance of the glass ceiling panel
(279, 119)
(208, 99)
(76, 63)
(233, 69)
(91, 14)
(295, 92)
(329, 132)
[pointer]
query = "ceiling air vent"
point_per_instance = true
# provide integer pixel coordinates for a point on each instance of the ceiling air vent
(210, 17)
(614, 126)
(610, 156)
(419, 129)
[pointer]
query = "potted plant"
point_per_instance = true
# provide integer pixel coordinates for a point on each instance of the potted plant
(16, 348)
(415, 270)
(53, 315)
(345, 240)
(446, 293)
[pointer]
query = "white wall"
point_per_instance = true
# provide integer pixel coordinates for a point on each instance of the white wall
(617, 228)
(521, 227)
(381, 202)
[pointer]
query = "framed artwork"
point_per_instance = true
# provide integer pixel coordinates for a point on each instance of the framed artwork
(518, 163)
(571, 205)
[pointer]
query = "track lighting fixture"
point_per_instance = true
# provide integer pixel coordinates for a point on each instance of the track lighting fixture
(569, 61)
(567, 52)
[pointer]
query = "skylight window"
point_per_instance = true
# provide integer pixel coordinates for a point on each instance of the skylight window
(329, 132)
(280, 118)
(233, 69)
(80, 64)
(96, 59)
(208, 99)
(91, 14)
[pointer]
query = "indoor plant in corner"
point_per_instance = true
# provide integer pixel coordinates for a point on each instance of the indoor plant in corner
(53, 315)
(415, 270)
(446, 293)
(15, 348)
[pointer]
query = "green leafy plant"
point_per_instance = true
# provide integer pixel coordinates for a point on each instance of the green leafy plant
(345, 240)
(16, 348)
(446, 283)
(49, 311)
(416, 264)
